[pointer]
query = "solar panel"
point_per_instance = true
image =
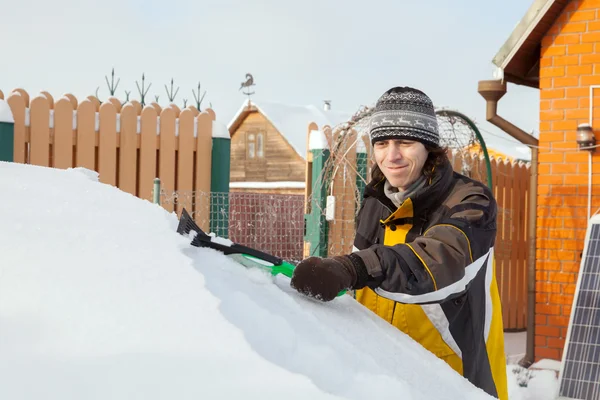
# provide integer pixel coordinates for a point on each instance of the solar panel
(579, 376)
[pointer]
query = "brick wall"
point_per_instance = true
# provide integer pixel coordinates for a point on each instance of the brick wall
(569, 64)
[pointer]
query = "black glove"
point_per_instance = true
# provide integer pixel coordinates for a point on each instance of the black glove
(324, 278)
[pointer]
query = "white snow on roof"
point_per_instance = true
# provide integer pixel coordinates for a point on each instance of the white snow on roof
(292, 120)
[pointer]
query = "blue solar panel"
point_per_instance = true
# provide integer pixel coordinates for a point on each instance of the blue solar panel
(580, 370)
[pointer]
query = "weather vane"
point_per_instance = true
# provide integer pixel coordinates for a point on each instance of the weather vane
(248, 84)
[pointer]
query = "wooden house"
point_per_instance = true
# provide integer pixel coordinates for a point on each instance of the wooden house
(268, 145)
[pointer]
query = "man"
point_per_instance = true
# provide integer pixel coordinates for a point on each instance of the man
(423, 256)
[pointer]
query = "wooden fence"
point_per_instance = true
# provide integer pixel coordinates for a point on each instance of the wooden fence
(127, 144)
(510, 185)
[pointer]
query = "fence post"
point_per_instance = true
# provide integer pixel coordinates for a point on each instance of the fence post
(219, 180)
(317, 228)
(7, 132)
(361, 168)
(156, 191)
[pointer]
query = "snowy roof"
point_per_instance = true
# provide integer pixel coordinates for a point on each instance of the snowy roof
(292, 120)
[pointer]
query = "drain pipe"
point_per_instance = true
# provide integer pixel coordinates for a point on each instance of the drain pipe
(492, 91)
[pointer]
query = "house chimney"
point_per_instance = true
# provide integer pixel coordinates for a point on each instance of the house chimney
(327, 105)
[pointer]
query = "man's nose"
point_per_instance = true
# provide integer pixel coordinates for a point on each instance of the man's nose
(394, 153)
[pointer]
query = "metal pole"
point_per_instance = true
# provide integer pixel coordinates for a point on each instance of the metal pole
(156, 192)
(361, 168)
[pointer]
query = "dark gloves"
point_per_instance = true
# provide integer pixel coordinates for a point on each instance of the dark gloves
(324, 278)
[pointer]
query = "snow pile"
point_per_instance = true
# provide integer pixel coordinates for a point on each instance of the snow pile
(531, 384)
(101, 299)
(5, 112)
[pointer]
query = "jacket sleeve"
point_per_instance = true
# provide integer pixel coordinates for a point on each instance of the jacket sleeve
(441, 263)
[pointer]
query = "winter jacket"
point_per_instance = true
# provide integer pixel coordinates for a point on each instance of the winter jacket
(432, 268)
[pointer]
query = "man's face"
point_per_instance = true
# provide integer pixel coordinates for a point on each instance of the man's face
(400, 160)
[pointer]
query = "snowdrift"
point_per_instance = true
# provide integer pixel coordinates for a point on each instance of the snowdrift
(100, 298)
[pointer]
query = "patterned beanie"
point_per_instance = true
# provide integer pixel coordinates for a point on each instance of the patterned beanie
(404, 113)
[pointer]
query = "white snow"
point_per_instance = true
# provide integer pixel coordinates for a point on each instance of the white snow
(5, 112)
(553, 365)
(219, 130)
(220, 240)
(317, 140)
(268, 185)
(100, 298)
(360, 145)
(530, 384)
(515, 346)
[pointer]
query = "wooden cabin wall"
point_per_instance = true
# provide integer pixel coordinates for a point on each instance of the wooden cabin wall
(280, 161)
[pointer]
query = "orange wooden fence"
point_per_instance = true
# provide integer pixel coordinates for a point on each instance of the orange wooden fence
(127, 144)
(510, 185)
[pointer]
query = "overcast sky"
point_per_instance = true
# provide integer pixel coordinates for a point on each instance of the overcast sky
(300, 52)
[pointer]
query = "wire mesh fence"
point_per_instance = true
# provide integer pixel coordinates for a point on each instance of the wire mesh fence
(273, 223)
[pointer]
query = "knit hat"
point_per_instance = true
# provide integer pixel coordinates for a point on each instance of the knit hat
(404, 113)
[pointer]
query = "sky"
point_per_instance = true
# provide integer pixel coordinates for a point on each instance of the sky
(346, 51)
(114, 304)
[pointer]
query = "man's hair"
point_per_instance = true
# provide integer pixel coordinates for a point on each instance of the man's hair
(437, 156)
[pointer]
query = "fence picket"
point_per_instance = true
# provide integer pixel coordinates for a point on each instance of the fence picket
(72, 99)
(40, 132)
(25, 96)
(48, 97)
(95, 101)
(107, 144)
(185, 159)
(508, 242)
(63, 134)
(128, 150)
(522, 182)
(85, 150)
(148, 152)
(504, 244)
(166, 163)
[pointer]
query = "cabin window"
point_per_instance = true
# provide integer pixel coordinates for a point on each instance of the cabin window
(251, 146)
(260, 152)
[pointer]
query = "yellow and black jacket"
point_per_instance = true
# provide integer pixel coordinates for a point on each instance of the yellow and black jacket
(431, 269)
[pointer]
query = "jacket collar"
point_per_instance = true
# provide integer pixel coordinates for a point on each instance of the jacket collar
(428, 197)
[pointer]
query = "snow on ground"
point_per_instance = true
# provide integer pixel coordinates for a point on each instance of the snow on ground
(101, 299)
(531, 384)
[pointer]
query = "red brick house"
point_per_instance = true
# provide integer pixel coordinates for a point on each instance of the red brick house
(556, 49)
